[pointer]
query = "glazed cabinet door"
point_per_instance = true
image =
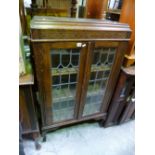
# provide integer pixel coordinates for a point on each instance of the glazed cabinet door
(103, 65)
(60, 78)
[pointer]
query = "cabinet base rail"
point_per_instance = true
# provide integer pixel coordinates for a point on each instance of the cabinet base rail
(55, 126)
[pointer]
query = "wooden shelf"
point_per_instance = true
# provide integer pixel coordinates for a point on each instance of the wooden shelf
(27, 79)
(114, 11)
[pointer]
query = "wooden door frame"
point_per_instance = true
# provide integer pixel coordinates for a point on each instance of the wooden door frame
(42, 64)
(114, 75)
(111, 82)
(86, 77)
(42, 59)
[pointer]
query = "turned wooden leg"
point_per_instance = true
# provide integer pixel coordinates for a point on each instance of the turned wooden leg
(37, 145)
(44, 136)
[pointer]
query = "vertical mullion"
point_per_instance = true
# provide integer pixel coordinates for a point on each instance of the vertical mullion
(78, 59)
(104, 71)
(102, 82)
(69, 82)
(71, 58)
(70, 63)
(95, 79)
(107, 56)
(89, 50)
(99, 61)
(60, 73)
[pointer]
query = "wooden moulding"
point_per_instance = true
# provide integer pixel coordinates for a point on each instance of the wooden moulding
(45, 29)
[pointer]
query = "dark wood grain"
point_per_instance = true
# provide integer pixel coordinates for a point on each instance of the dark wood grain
(42, 63)
(52, 29)
(64, 33)
(25, 121)
(86, 78)
(80, 87)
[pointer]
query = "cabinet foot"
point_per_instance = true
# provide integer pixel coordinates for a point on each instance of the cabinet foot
(101, 123)
(37, 145)
(44, 137)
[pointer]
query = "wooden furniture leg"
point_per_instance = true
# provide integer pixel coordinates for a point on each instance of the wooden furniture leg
(37, 145)
(44, 136)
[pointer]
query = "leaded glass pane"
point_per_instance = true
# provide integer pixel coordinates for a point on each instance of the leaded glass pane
(100, 71)
(65, 67)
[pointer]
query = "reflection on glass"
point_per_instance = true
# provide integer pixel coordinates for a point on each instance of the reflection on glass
(100, 71)
(65, 65)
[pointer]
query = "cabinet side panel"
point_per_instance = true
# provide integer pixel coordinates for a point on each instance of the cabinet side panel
(42, 65)
(24, 115)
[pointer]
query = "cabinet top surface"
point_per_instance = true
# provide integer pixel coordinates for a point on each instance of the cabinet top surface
(46, 22)
(27, 79)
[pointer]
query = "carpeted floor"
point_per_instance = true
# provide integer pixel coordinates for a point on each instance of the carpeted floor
(87, 139)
